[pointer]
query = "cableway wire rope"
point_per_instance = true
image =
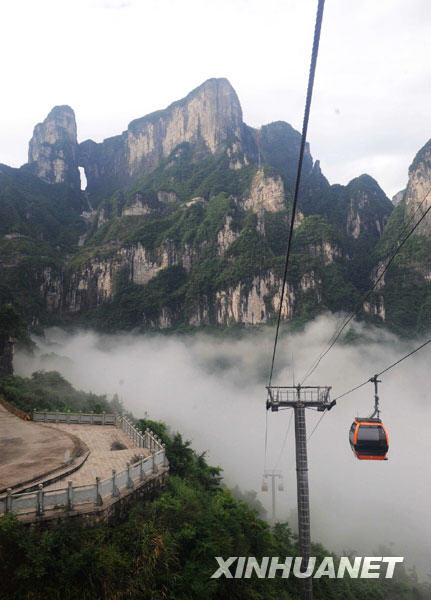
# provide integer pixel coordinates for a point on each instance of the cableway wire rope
(337, 335)
(394, 248)
(357, 387)
(313, 63)
(397, 362)
(314, 54)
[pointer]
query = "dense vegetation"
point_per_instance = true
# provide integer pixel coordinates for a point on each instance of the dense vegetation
(164, 549)
(406, 293)
(51, 391)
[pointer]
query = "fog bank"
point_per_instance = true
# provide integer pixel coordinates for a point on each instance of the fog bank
(212, 391)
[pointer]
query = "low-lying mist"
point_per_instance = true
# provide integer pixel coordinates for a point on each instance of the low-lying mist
(211, 389)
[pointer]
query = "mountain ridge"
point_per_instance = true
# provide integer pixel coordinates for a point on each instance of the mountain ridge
(184, 223)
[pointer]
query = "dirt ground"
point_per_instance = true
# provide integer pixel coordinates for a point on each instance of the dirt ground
(27, 452)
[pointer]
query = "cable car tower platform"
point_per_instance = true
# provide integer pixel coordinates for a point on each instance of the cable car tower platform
(299, 398)
(307, 396)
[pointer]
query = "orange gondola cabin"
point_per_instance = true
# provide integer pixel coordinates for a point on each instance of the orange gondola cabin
(369, 439)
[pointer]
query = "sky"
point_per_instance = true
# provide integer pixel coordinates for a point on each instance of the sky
(117, 60)
(212, 391)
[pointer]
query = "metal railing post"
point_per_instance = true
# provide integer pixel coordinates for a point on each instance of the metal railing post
(69, 495)
(98, 498)
(129, 479)
(141, 469)
(115, 490)
(40, 500)
(8, 501)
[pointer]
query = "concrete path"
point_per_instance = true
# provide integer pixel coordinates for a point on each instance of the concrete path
(28, 450)
(102, 459)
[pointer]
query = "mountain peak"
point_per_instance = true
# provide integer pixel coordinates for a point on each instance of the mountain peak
(52, 149)
(209, 118)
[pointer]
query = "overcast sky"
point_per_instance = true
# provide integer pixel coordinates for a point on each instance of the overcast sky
(116, 60)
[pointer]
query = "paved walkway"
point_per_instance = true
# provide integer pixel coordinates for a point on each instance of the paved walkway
(102, 459)
(28, 450)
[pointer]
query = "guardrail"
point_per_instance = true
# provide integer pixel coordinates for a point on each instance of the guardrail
(73, 497)
(78, 418)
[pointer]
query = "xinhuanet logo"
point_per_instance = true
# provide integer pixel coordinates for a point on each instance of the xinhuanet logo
(366, 567)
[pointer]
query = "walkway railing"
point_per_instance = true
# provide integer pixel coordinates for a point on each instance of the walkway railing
(76, 496)
(77, 418)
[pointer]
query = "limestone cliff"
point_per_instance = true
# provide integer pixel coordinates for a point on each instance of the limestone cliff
(210, 118)
(266, 194)
(185, 221)
(52, 153)
(418, 196)
(369, 208)
(398, 197)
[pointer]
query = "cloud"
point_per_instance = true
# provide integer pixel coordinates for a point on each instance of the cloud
(213, 391)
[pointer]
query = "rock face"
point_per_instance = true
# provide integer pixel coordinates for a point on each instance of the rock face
(279, 146)
(369, 208)
(52, 153)
(266, 194)
(254, 303)
(418, 188)
(192, 205)
(209, 117)
(399, 197)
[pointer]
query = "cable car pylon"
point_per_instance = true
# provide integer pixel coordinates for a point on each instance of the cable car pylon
(272, 474)
(299, 398)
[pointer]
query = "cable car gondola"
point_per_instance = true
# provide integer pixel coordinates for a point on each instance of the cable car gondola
(368, 436)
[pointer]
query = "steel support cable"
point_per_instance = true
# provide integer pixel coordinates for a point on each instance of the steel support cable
(404, 228)
(411, 219)
(313, 63)
(397, 362)
(337, 335)
(318, 423)
(357, 387)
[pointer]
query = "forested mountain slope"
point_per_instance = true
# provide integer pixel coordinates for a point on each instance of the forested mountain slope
(184, 223)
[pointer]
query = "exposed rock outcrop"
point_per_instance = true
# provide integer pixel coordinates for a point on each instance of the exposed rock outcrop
(266, 194)
(141, 206)
(210, 118)
(253, 303)
(399, 196)
(52, 153)
(327, 251)
(226, 236)
(369, 208)
(418, 188)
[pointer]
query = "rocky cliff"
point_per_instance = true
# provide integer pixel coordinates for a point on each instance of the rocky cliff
(418, 192)
(209, 118)
(368, 209)
(403, 297)
(52, 153)
(185, 222)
